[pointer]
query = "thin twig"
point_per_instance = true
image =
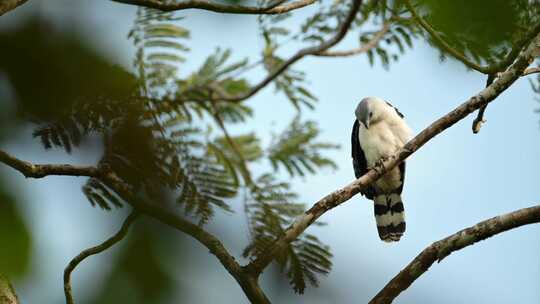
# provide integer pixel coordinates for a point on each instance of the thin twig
(340, 34)
(479, 120)
(441, 249)
(214, 6)
(117, 237)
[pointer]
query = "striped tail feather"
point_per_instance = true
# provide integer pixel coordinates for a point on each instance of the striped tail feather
(390, 216)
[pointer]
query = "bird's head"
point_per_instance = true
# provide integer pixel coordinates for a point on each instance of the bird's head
(370, 110)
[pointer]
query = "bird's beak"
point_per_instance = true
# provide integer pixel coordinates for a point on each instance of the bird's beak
(365, 122)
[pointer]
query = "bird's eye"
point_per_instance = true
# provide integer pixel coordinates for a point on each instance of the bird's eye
(370, 114)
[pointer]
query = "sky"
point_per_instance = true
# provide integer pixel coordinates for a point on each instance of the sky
(456, 180)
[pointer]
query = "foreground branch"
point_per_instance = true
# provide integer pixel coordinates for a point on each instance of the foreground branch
(443, 248)
(248, 282)
(217, 7)
(337, 197)
(117, 237)
(7, 294)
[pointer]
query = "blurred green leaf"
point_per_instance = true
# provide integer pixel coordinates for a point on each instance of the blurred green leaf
(15, 238)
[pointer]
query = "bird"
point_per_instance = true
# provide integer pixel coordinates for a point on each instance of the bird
(379, 131)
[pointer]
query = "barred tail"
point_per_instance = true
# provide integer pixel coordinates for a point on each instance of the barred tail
(390, 216)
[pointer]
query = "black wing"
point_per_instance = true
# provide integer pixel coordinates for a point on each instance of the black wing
(402, 165)
(397, 111)
(359, 159)
(402, 173)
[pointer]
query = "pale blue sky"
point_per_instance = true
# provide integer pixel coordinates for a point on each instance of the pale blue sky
(454, 181)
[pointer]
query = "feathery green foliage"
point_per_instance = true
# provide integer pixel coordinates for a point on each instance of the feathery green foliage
(271, 209)
(296, 150)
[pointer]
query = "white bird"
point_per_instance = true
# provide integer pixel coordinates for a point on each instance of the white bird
(379, 131)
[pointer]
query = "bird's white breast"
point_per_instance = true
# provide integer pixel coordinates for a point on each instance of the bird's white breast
(382, 139)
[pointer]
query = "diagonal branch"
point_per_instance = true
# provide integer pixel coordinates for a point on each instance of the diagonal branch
(340, 34)
(214, 6)
(337, 197)
(372, 43)
(117, 237)
(443, 248)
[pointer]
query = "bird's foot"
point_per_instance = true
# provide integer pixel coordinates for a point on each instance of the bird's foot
(379, 165)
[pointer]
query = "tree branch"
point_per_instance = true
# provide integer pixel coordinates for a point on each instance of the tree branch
(443, 248)
(372, 43)
(248, 282)
(337, 197)
(8, 5)
(217, 7)
(117, 237)
(343, 29)
(7, 294)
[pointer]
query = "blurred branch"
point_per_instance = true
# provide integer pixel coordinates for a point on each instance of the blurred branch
(7, 294)
(8, 5)
(444, 44)
(337, 197)
(273, 9)
(493, 69)
(443, 248)
(377, 37)
(117, 237)
(479, 120)
(325, 45)
(39, 171)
